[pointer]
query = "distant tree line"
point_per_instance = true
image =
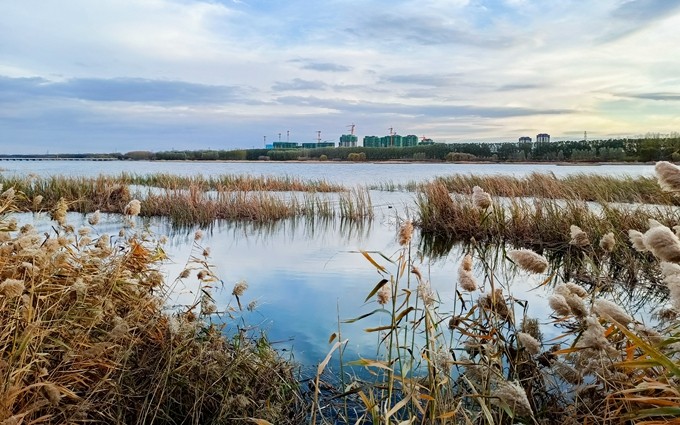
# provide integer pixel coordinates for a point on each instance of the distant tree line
(651, 147)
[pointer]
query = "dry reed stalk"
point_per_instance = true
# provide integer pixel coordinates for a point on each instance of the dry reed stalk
(84, 324)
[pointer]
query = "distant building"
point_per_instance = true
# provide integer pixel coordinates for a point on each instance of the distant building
(372, 142)
(525, 139)
(348, 141)
(285, 145)
(314, 145)
(410, 140)
(543, 138)
(395, 140)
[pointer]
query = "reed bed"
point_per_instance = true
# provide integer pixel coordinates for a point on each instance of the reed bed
(480, 358)
(195, 200)
(584, 187)
(196, 207)
(85, 337)
(539, 222)
(231, 182)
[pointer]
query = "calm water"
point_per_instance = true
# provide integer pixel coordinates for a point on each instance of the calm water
(303, 275)
(346, 173)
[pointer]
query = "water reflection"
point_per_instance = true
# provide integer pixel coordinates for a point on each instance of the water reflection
(308, 276)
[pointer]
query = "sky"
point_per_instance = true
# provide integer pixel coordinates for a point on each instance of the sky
(120, 75)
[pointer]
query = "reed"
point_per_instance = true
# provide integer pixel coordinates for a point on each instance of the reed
(584, 187)
(479, 358)
(195, 200)
(230, 182)
(85, 337)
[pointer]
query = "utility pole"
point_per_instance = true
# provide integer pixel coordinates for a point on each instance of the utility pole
(287, 135)
(265, 141)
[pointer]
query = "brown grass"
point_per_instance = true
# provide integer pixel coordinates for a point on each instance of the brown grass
(85, 339)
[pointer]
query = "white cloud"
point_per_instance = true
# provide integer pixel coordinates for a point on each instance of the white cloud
(607, 66)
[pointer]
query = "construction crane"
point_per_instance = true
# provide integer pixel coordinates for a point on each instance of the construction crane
(391, 136)
(351, 131)
(318, 136)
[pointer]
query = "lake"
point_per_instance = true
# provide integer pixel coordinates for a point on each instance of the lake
(304, 275)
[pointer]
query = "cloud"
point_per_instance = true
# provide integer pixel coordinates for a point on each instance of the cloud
(299, 84)
(662, 96)
(375, 108)
(433, 80)
(119, 90)
(645, 10)
(322, 66)
(428, 31)
(632, 16)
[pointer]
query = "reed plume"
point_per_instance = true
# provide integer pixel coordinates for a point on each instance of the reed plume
(512, 395)
(530, 343)
(578, 237)
(608, 309)
(636, 240)
(133, 208)
(663, 243)
(668, 176)
(608, 242)
(481, 199)
(405, 233)
(528, 260)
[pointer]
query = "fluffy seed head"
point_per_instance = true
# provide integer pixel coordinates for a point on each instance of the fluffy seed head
(593, 336)
(240, 288)
(607, 242)
(668, 269)
(559, 305)
(528, 260)
(93, 218)
(59, 212)
(607, 309)
(37, 200)
(405, 233)
(578, 236)
(513, 396)
(133, 208)
(529, 342)
(636, 240)
(198, 235)
(466, 264)
(663, 243)
(480, 198)
(12, 288)
(576, 289)
(384, 294)
(576, 305)
(668, 176)
(466, 280)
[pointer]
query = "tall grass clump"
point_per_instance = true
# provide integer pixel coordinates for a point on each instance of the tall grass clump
(584, 187)
(481, 358)
(85, 336)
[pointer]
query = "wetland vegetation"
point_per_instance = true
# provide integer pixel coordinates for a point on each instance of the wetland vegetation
(86, 335)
